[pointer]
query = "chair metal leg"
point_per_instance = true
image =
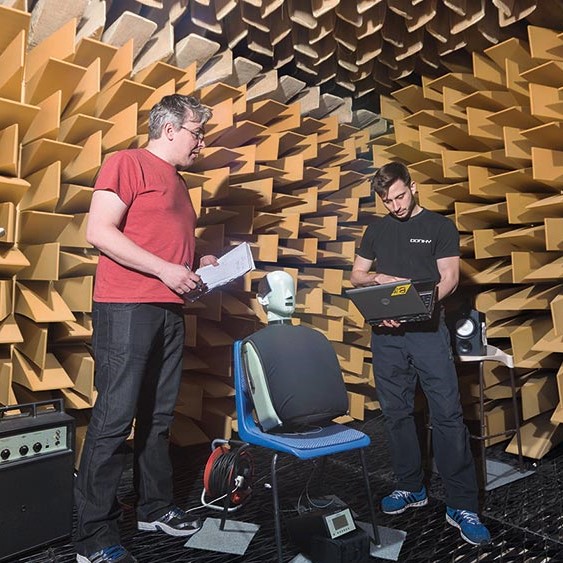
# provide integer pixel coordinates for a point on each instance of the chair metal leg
(376, 539)
(516, 420)
(277, 517)
(482, 421)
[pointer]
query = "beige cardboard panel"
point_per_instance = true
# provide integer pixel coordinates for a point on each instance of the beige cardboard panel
(58, 45)
(539, 394)
(89, 49)
(532, 238)
(85, 95)
(53, 75)
(77, 293)
(546, 136)
(539, 436)
(218, 417)
(6, 301)
(10, 331)
(15, 112)
(25, 395)
(8, 216)
(547, 165)
(79, 330)
(123, 130)
(9, 150)
(78, 127)
(120, 96)
(38, 227)
(47, 123)
(351, 359)
(40, 302)
(557, 416)
(499, 417)
(12, 64)
(79, 365)
(74, 199)
(12, 189)
(528, 298)
(158, 73)
(522, 208)
(528, 266)
(470, 216)
(11, 261)
(83, 169)
(77, 264)
(190, 398)
(51, 376)
(487, 245)
(14, 21)
(44, 190)
(215, 360)
(74, 233)
(43, 152)
(557, 315)
(34, 344)
(43, 262)
(487, 271)
(74, 400)
(7, 396)
(185, 432)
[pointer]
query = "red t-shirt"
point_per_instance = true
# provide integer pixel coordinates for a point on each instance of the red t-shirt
(160, 218)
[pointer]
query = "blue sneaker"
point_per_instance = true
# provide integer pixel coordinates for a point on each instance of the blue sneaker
(111, 554)
(399, 501)
(469, 525)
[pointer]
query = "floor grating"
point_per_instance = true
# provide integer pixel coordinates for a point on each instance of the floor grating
(525, 517)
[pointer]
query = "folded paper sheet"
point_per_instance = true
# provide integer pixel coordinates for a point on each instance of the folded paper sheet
(232, 265)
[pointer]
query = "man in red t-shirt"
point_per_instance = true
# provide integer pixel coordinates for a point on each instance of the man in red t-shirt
(142, 221)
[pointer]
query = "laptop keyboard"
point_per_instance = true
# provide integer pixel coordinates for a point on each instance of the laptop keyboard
(427, 298)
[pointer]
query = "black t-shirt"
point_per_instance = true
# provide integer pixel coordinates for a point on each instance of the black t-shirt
(409, 249)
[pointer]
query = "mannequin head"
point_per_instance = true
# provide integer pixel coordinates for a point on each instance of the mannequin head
(276, 293)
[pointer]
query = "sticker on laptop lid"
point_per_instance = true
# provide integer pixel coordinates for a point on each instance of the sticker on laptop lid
(401, 289)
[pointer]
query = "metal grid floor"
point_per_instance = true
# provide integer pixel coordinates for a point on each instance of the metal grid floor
(525, 517)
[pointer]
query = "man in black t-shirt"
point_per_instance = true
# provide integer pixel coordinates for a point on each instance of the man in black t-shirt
(414, 243)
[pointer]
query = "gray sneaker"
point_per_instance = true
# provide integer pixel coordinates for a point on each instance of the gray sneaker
(175, 522)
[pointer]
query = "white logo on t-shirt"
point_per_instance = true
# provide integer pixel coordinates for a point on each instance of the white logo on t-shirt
(420, 241)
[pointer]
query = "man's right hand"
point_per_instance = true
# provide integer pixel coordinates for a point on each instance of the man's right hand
(381, 279)
(389, 323)
(179, 278)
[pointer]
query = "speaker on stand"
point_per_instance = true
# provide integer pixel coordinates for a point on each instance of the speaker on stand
(468, 332)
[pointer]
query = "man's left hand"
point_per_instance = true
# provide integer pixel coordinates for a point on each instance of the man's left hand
(208, 260)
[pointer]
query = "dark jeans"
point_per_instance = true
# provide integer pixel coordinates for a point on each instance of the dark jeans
(138, 350)
(399, 356)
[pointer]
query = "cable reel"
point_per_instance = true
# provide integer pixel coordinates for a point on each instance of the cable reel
(228, 476)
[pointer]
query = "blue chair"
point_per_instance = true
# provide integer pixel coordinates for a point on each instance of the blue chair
(332, 439)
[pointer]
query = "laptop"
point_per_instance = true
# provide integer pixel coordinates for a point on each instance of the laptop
(404, 301)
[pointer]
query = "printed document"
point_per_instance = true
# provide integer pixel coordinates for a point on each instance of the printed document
(232, 265)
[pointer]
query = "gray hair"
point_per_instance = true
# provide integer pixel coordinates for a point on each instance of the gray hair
(174, 109)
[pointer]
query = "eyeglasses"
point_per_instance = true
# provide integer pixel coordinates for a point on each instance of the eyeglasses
(197, 135)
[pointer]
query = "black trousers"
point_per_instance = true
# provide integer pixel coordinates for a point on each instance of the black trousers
(138, 350)
(401, 355)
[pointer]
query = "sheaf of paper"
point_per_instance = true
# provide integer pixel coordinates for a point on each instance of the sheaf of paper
(232, 265)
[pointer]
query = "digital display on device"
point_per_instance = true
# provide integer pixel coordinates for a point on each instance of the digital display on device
(340, 523)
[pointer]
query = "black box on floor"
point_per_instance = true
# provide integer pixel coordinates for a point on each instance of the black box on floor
(36, 476)
(351, 548)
